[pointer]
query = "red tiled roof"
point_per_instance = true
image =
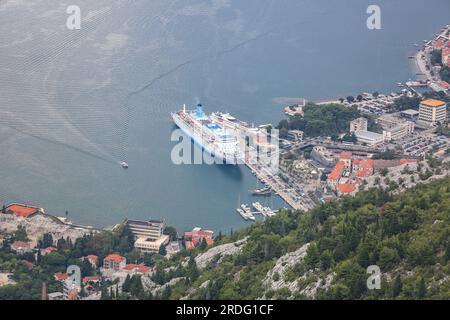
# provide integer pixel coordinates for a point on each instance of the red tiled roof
(433, 103)
(61, 276)
(444, 85)
(28, 264)
(21, 211)
(115, 258)
(346, 188)
(143, 269)
(346, 155)
(91, 279)
(365, 167)
(189, 245)
(130, 266)
(20, 244)
(407, 160)
(438, 44)
(334, 175)
(91, 257)
(50, 249)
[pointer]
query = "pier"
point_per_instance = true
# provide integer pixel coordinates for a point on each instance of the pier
(263, 173)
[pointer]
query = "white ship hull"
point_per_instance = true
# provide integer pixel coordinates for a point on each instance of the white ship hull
(229, 154)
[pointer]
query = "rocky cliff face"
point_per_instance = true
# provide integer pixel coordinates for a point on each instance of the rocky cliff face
(216, 254)
(307, 284)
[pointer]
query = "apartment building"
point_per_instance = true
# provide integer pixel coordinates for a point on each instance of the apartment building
(148, 235)
(152, 229)
(395, 128)
(114, 262)
(359, 124)
(432, 111)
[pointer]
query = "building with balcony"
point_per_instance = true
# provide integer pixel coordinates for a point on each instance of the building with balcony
(410, 114)
(114, 262)
(152, 229)
(148, 235)
(295, 135)
(432, 111)
(196, 236)
(148, 245)
(21, 247)
(323, 156)
(358, 124)
(368, 137)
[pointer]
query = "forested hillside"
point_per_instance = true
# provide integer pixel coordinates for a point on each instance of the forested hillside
(323, 254)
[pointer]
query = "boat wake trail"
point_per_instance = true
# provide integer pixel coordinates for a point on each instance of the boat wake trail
(63, 144)
(152, 82)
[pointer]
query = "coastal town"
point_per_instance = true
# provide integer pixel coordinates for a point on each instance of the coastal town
(390, 141)
(36, 238)
(407, 129)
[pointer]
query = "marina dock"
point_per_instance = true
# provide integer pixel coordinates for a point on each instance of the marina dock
(262, 173)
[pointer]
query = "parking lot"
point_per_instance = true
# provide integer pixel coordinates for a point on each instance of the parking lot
(420, 144)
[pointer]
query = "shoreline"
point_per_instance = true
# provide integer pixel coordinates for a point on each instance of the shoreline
(420, 67)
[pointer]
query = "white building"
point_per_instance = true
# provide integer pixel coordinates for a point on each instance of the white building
(295, 135)
(323, 156)
(399, 131)
(149, 245)
(56, 296)
(359, 124)
(395, 128)
(432, 111)
(151, 229)
(410, 114)
(148, 235)
(369, 137)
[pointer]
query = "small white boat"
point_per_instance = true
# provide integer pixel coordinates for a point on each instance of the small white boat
(242, 213)
(124, 165)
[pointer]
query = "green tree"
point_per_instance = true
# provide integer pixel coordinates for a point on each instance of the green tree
(47, 240)
(326, 260)
(397, 286)
(422, 290)
(126, 284)
(420, 252)
(312, 256)
(21, 234)
(363, 256)
(203, 244)
(171, 232)
(162, 250)
(388, 258)
(192, 272)
(86, 268)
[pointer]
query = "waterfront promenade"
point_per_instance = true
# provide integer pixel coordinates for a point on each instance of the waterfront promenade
(263, 173)
(423, 59)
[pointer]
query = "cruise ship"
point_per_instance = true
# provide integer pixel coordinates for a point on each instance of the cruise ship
(209, 134)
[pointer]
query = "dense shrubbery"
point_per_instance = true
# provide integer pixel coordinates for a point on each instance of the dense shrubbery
(29, 282)
(321, 120)
(445, 74)
(406, 235)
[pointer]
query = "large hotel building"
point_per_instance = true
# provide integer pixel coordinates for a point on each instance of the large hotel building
(432, 111)
(148, 235)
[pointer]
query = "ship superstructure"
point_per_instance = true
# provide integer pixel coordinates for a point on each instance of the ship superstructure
(209, 134)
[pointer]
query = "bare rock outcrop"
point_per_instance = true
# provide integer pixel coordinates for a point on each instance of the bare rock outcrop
(307, 284)
(218, 253)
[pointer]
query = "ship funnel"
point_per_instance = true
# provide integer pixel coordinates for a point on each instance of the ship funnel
(199, 110)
